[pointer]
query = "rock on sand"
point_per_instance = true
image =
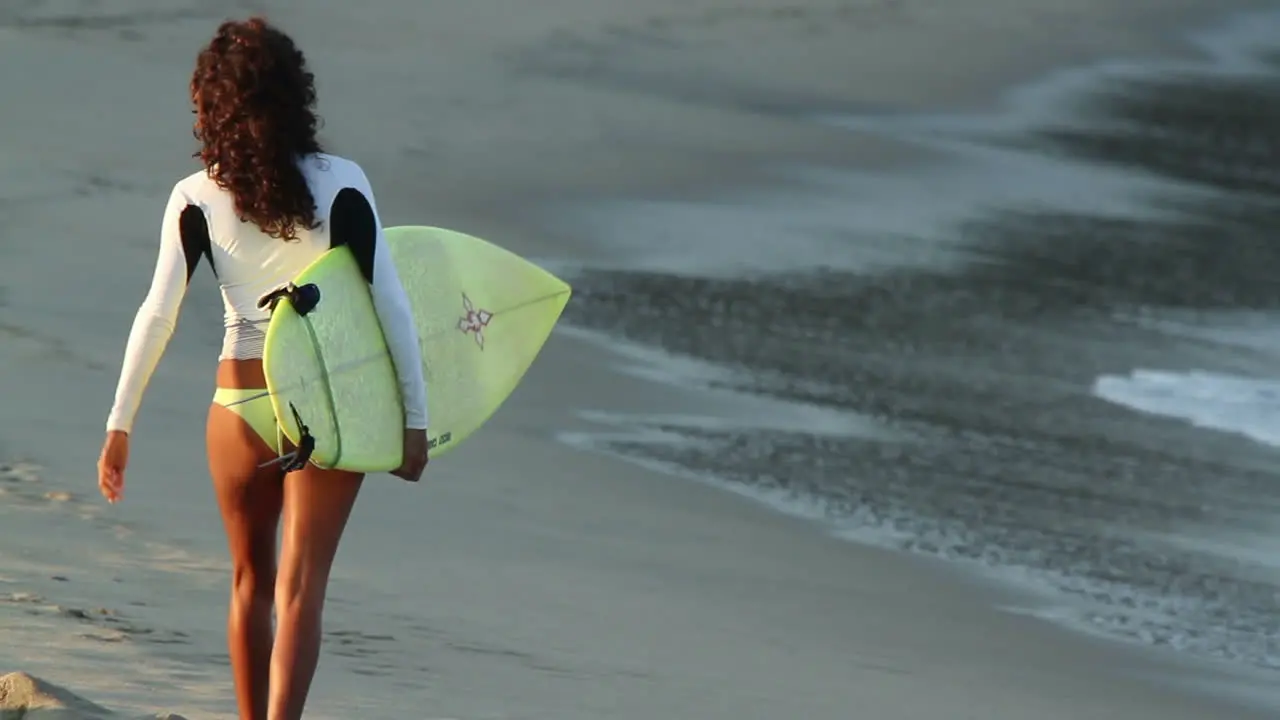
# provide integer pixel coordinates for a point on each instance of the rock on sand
(23, 697)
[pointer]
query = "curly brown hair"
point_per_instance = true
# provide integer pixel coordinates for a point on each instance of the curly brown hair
(255, 102)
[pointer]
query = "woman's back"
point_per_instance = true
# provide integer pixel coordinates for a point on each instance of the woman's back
(201, 222)
(248, 262)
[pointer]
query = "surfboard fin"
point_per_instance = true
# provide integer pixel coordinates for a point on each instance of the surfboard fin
(297, 459)
(303, 298)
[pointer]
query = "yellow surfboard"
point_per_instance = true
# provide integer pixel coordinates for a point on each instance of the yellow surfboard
(482, 314)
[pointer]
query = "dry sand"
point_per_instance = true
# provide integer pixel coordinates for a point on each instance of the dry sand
(546, 583)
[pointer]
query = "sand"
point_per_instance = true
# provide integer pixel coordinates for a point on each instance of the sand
(523, 578)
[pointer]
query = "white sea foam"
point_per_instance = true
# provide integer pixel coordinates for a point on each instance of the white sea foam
(1211, 400)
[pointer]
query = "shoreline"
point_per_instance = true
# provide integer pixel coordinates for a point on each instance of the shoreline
(527, 547)
(1200, 48)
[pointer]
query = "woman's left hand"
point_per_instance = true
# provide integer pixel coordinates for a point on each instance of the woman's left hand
(111, 465)
(415, 455)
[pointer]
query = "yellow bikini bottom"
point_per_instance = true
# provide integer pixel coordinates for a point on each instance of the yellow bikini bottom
(254, 406)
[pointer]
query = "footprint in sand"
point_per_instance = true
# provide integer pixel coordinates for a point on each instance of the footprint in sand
(21, 472)
(110, 626)
(22, 479)
(19, 479)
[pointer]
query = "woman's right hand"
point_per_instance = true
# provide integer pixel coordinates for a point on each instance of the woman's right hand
(415, 455)
(111, 465)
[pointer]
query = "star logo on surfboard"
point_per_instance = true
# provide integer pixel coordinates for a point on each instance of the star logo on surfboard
(474, 321)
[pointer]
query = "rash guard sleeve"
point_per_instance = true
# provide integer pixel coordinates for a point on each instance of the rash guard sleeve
(154, 323)
(356, 211)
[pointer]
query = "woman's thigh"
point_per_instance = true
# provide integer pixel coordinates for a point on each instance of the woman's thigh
(249, 496)
(317, 505)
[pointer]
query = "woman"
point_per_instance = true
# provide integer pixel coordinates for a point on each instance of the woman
(267, 202)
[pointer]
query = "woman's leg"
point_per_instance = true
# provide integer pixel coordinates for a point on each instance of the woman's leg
(250, 500)
(317, 504)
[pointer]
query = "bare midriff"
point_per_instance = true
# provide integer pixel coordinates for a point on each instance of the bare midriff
(241, 374)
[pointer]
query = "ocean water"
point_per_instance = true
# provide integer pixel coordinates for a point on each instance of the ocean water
(1050, 356)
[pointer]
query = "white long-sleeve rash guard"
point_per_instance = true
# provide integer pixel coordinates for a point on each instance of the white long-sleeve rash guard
(200, 220)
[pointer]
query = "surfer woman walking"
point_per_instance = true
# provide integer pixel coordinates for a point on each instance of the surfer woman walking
(267, 202)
